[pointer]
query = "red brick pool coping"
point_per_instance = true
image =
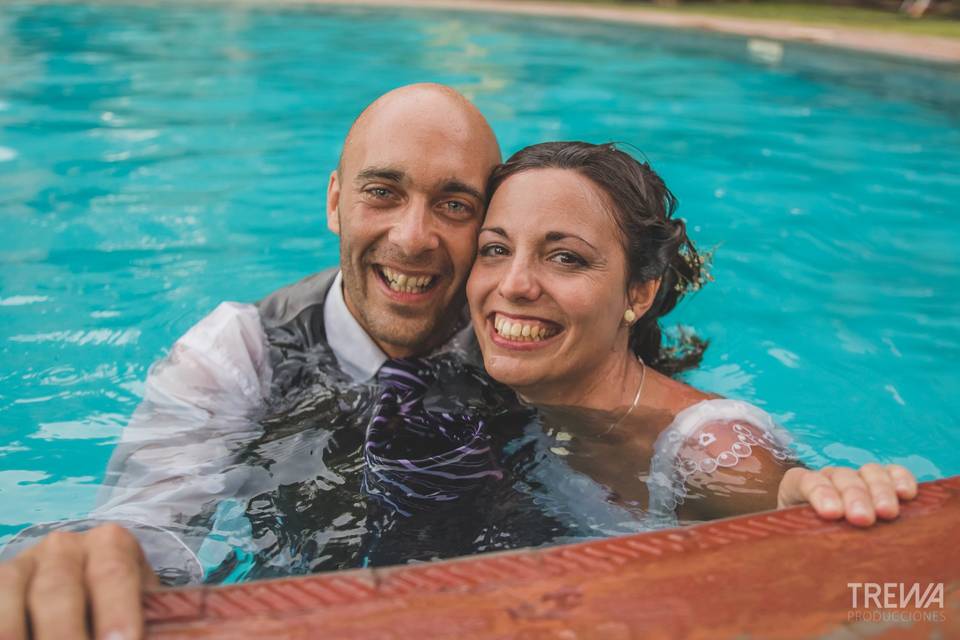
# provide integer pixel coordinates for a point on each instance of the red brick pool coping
(782, 574)
(930, 48)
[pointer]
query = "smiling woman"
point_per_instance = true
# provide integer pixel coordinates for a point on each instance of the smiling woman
(582, 263)
(579, 257)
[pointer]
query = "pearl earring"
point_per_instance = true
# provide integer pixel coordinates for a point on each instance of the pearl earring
(629, 316)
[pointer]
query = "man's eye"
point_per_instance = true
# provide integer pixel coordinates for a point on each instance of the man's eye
(379, 192)
(493, 250)
(457, 208)
(568, 258)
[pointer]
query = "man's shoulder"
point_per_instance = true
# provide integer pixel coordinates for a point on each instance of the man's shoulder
(286, 303)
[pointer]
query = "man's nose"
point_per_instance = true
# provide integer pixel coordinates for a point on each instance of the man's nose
(414, 231)
(519, 282)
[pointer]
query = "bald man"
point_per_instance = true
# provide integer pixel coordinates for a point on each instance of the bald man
(406, 200)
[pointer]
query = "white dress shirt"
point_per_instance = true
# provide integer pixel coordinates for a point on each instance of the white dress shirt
(174, 455)
(356, 352)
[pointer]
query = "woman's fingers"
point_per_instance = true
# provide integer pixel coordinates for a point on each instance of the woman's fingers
(883, 492)
(115, 582)
(802, 486)
(817, 489)
(884, 487)
(861, 495)
(904, 481)
(857, 501)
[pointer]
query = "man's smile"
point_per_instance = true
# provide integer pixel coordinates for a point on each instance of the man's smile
(406, 285)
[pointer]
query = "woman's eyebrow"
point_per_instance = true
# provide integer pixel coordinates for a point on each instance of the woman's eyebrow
(557, 236)
(497, 230)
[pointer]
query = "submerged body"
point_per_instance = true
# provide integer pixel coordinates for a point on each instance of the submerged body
(250, 457)
(222, 486)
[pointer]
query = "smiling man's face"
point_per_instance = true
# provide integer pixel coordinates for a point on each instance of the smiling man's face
(407, 203)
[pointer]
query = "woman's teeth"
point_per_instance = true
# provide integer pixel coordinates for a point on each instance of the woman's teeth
(522, 331)
(403, 283)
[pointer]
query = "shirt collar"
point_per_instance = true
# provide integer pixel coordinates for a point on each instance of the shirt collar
(356, 352)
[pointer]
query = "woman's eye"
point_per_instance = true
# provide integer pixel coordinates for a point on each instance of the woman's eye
(568, 258)
(493, 250)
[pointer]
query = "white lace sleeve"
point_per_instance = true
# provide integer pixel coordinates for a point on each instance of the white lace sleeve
(748, 426)
(174, 459)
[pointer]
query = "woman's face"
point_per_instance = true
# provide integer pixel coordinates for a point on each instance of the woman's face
(548, 289)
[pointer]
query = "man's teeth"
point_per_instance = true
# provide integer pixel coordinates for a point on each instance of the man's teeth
(522, 331)
(406, 284)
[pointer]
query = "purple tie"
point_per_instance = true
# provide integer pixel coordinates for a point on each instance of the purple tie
(417, 460)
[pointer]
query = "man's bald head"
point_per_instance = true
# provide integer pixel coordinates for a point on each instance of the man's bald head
(407, 201)
(424, 102)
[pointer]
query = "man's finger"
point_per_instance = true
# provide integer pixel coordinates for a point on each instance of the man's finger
(55, 597)
(148, 577)
(115, 583)
(14, 579)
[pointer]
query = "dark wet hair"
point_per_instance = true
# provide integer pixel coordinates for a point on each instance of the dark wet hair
(656, 244)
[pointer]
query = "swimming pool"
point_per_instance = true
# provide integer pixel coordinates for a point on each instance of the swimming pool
(133, 200)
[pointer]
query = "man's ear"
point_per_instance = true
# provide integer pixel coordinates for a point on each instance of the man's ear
(642, 296)
(333, 202)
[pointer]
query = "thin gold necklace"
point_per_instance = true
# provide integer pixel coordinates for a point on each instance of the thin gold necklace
(636, 399)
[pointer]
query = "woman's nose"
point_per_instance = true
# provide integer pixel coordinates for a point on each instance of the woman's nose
(414, 231)
(519, 282)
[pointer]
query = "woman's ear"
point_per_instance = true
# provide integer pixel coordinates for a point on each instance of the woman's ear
(642, 295)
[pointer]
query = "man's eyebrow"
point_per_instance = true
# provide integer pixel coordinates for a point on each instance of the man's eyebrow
(497, 230)
(381, 173)
(557, 236)
(457, 186)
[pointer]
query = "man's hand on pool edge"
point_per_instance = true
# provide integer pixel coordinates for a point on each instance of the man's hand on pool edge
(859, 495)
(49, 588)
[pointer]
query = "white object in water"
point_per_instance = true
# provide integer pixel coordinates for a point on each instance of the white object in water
(769, 51)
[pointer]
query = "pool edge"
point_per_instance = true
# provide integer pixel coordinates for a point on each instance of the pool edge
(783, 573)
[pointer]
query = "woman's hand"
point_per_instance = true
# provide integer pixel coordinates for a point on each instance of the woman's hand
(861, 495)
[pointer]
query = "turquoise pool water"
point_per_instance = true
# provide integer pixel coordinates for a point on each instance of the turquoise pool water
(157, 160)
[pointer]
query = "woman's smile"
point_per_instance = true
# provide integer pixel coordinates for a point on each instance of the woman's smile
(522, 333)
